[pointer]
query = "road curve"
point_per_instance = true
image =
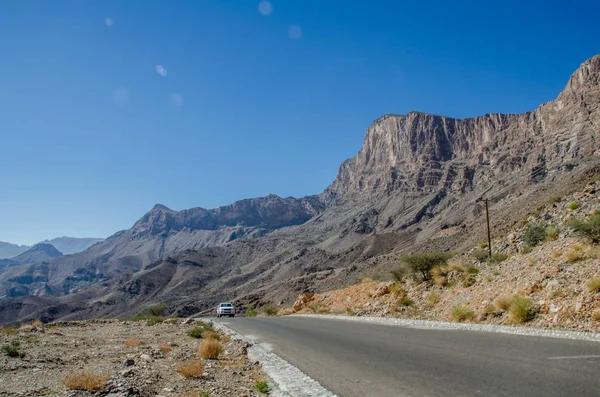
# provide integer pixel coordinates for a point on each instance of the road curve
(356, 359)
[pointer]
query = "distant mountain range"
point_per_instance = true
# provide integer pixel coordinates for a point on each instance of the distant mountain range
(66, 245)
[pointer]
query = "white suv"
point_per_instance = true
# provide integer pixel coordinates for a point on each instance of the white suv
(225, 309)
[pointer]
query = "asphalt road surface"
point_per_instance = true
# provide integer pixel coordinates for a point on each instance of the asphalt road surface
(355, 359)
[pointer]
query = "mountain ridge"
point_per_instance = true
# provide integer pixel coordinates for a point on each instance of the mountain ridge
(416, 183)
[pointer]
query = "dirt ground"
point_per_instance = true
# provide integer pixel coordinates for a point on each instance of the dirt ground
(133, 358)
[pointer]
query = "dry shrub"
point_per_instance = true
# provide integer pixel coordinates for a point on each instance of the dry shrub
(164, 348)
(503, 302)
(85, 380)
(462, 312)
(575, 253)
(521, 310)
(132, 342)
(440, 281)
(552, 233)
(433, 298)
(396, 288)
(555, 254)
(37, 323)
(594, 284)
(210, 349)
(211, 335)
(191, 369)
(225, 338)
(593, 253)
(596, 315)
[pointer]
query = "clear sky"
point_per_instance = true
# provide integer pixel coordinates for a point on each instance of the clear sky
(108, 107)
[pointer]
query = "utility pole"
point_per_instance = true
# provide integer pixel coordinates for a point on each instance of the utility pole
(487, 215)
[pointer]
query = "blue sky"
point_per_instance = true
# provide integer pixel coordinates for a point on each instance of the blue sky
(108, 107)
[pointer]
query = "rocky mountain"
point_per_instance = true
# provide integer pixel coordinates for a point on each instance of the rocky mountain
(37, 253)
(66, 245)
(8, 250)
(418, 182)
(72, 245)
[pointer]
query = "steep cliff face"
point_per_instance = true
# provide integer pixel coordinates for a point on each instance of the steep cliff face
(421, 152)
(416, 183)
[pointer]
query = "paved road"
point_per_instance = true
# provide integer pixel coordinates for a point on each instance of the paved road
(363, 359)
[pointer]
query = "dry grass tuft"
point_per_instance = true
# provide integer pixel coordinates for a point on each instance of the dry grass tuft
(433, 298)
(85, 380)
(191, 369)
(37, 323)
(396, 288)
(575, 253)
(596, 315)
(462, 312)
(132, 342)
(210, 349)
(594, 284)
(503, 302)
(555, 254)
(521, 310)
(211, 335)
(164, 348)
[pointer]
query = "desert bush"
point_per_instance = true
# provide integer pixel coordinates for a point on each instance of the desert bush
(555, 254)
(12, 350)
(269, 309)
(596, 315)
(211, 335)
(469, 280)
(262, 386)
(200, 328)
(525, 250)
(250, 311)
(498, 257)
(156, 310)
(164, 348)
(534, 234)
(420, 264)
(149, 319)
(461, 312)
(191, 369)
(132, 342)
(521, 310)
(594, 284)
(574, 205)
(433, 298)
(405, 301)
(85, 380)
(472, 270)
(483, 245)
(37, 323)
(552, 233)
(575, 253)
(210, 349)
(480, 254)
(503, 302)
(588, 228)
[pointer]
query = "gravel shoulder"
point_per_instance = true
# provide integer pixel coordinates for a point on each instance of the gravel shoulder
(136, 360)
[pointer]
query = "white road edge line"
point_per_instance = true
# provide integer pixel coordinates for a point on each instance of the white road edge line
(445, 325)
(285, 379)
(573, 357)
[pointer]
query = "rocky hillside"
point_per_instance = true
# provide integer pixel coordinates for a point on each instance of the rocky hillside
(8, 250)
(543, 274)
(417, 183)
(37, 253)
(66, 245)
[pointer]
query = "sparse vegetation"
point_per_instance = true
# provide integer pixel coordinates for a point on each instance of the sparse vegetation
(250, 311)
(37, 323)
(262, 386)
(132, 342)
(555, 254)
(211, 335)
(433, 298)
(588, 228)
(552, 233)
(12, 350)
(526, 250)
(269, 309)
(210, 349)
(594, 284)
(483, 245)
(469, 280)
(396, 288)
(480, 254)
(200, 328)
(574, 205)
(405, 301)
(503, 302)
(575, 253)
(498, 257)
(85, 380)
(191, 369)
(521, 310)
(462, 312)
(534, 234)
(420, 264)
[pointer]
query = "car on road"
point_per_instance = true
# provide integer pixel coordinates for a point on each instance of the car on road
(225, 309)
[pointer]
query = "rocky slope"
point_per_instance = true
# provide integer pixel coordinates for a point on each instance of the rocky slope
(37, 253)
(417, 183)
(66, 245)
(8, 250)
